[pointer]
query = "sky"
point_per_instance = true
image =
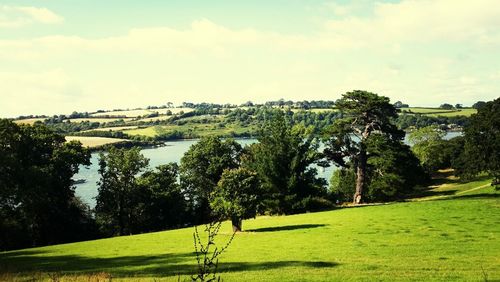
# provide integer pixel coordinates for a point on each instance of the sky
(59, 56)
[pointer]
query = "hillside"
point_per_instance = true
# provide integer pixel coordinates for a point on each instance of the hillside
(146, 125)
(450, 234)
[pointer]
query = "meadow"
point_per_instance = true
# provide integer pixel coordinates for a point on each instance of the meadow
(435, 112)
(449, 234)
(92, 142)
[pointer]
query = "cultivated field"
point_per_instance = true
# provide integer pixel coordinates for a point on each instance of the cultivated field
(454, 237)
(93, 142)
(29, 121)
(440, 112)
(100, 120)
(128, 113)
(116, 128)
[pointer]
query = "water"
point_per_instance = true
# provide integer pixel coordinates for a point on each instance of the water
(172, 152)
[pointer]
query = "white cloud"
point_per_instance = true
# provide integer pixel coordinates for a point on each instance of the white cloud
(422, 21)
(18, 16)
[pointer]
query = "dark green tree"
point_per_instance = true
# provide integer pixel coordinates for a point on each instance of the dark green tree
(363, 115)
(201, 169)
(392, 171)
(446, 106)
(116, 203)
(37, 201)
(236, 196)
(163, 204)
(283, 160)
(482, 143)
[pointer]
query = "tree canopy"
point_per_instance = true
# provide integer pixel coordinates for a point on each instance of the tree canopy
(201, 169)
(363, 114)
(37, 201)
(482, 143)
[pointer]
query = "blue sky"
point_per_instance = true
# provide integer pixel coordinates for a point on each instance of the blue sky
(60, 56)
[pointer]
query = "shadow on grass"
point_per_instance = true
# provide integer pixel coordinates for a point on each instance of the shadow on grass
(126, 266)
(286, 228)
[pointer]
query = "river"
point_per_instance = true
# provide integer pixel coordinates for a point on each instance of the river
(172, 152)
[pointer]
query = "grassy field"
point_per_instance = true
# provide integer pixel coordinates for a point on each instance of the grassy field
(29, 121)
(454, 237)
(116, 128)
(440, 112)
(100, 120)
(142, 112)
(92, 142)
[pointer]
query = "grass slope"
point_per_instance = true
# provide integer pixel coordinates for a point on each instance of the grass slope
(452, 238)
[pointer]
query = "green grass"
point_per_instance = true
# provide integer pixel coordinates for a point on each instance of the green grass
(451, 238)
(440, 112)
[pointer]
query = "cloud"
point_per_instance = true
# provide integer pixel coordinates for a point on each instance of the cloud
(422, 21)
(18, 16)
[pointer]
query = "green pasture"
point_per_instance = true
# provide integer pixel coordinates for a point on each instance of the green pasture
(440, 112)
(450, 234)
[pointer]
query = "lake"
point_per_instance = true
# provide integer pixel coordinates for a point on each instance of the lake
(172, 152)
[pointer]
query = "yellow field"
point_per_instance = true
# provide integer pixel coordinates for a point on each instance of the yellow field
(440, 112)
(29, 121)
(92, 142)
(174, 111)
(116, 128)
(155, 118)
(99, 120)
(130, 113)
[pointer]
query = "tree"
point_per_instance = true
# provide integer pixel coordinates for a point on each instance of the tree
(478, 105)
(236, 196)
(429, 147)
(400, 104)
(37, 201)
(164, 205)
(364, 114)
(482, 143)
(201, 169)
(283, 161)
(446, 106)
(392, 171)
(117, 189)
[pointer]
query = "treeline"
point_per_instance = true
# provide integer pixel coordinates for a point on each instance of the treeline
(406, 121)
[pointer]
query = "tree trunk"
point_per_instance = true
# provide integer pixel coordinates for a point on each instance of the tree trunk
(237, 222)
(360, 177)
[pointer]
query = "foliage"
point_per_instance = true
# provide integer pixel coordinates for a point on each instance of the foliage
(163, 204)
(446, 106)
(482, 143)
(392, 171)
(116, 207)
(429, 147)
(236, 196)
(478, 105)
(37, 201)
(364, 114)
(282, 160)
(201, 169)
